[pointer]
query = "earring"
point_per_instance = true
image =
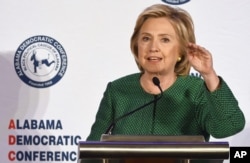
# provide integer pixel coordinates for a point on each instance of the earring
(179, 59)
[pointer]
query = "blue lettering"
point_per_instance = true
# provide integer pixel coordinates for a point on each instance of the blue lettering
(45, 156)
(39, 124)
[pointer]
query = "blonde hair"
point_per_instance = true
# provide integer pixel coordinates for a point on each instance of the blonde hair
(183, 25)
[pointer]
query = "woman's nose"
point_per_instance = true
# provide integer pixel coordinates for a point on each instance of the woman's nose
(154, 46)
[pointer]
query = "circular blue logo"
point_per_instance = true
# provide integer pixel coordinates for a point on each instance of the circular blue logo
(40, 61)
(175, 2)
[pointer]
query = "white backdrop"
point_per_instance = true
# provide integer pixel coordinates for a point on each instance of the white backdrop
(95, 35)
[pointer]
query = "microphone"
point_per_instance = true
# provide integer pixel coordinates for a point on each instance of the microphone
(156, 82)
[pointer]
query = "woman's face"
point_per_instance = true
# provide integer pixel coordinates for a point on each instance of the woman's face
(158, 47)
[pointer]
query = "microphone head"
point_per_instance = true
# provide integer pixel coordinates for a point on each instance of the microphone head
(156, 81)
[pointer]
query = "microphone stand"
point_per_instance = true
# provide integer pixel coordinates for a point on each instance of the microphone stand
(156, 81)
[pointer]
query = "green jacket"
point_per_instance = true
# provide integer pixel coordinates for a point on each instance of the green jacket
(186, 108)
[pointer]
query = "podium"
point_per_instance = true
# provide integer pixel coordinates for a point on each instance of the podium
(152, 149)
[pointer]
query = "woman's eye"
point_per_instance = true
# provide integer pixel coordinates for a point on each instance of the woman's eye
(165, 39)
(145, 38)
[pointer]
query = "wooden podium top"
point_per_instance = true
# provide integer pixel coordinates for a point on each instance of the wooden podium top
(157, 138)
(182, 147)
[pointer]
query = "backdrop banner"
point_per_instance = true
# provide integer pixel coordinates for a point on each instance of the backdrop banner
(56, 58)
